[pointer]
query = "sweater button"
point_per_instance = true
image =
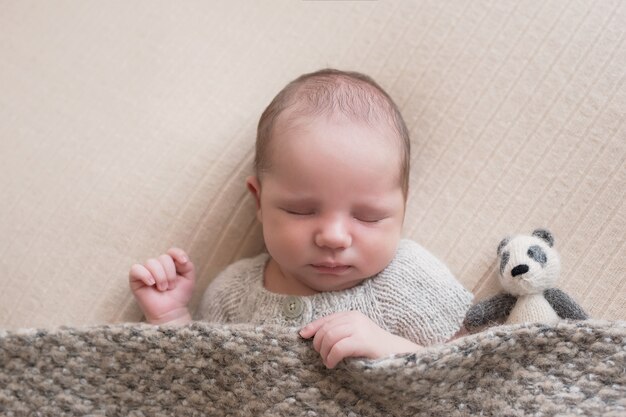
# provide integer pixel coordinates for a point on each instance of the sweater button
(293, 307)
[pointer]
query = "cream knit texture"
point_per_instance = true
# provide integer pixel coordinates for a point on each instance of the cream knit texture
(415, 296)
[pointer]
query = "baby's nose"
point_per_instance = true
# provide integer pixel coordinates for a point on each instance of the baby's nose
(334, 235)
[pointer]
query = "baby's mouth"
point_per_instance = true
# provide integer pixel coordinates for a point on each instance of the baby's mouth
(331, 268)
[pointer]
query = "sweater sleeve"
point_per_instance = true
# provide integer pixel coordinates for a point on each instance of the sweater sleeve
(422, 300)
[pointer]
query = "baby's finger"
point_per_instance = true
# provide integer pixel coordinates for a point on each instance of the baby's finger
(158, 273)
(184, 266)
(168, 266)
(313, 327)
(139, 274)
(325, 339)
(178, 255)
(170, 270)
(343, 349)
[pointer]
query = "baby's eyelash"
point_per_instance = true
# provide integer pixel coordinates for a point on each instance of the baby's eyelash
(368, 220)
(298, 213)
(311, 212)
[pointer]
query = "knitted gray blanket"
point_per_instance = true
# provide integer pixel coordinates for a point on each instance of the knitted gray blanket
(211, 370)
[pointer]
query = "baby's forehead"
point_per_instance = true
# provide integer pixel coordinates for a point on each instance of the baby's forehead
(296, 118)
(321, 138)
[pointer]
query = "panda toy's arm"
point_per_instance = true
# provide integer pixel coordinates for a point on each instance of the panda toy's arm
(490, 310)
(564, 305)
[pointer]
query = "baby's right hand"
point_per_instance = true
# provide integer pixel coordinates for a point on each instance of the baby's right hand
(163, 287)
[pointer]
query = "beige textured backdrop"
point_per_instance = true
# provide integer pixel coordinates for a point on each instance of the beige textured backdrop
(128, 126)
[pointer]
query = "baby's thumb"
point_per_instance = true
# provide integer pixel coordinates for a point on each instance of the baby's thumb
(186, 269)
(183, 264)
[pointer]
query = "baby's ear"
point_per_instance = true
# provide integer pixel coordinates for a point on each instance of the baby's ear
(254, 186)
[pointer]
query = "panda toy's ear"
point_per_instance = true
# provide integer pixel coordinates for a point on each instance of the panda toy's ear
(503, 244)
(544, 234)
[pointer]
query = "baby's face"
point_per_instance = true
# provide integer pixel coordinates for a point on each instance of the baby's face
(331, 204)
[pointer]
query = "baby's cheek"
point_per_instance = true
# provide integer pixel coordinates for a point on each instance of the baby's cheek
(284, 235)
(378, 251)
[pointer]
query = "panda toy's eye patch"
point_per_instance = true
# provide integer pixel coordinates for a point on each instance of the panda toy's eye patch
(537, 254)
(504, 259)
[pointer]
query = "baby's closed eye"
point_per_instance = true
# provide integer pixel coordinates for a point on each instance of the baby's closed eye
(370, 216)
(299, 212)
(369, 219)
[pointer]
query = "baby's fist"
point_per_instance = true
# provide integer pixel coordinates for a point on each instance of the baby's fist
(163, 286)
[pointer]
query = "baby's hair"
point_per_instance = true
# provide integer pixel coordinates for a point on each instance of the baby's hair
(328, 91)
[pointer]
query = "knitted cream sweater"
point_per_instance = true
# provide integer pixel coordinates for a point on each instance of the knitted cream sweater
(415, 297)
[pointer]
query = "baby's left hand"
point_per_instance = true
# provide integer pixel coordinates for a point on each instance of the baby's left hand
(353, 334)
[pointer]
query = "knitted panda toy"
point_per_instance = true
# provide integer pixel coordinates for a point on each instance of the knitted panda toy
(529, 268)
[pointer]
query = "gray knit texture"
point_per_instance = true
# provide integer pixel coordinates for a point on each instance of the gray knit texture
(242, 370)
(415, 296)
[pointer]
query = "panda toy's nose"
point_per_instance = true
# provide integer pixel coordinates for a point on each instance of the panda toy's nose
(519, 270)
